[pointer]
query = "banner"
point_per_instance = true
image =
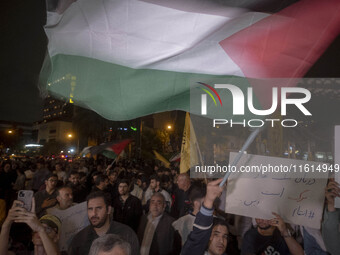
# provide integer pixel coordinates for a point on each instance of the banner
(298, 197)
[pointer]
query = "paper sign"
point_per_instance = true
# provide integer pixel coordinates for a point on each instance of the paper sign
(72, 220)
(337, 160)
(297, 197)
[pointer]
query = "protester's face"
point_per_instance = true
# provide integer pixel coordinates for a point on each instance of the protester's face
(113, 177)
(263, 224)
(218, 240)
(181, 182)
(139, 183)
(117, 250)
(103, 185)
(7, 167)
(65, 198)
(58, 167)
(51, 233)
(74, 178)
(123, 189)
(153, 184)
(51, 183)
(98, 212)
(157, 206)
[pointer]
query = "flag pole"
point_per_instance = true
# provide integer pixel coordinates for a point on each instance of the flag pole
(245, 146)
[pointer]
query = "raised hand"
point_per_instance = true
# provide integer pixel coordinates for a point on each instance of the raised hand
(279, 223)
(331, 192)
(48, 202)
(213, 191)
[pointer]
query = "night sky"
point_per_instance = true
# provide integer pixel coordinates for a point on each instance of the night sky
(24, 46)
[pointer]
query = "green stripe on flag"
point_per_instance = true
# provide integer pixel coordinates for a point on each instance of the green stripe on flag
(109, 154)
(121, 93)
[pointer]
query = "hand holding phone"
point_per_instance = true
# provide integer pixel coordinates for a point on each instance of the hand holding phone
(25, 196)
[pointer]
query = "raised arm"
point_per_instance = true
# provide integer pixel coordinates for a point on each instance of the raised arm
(293, 246)
(6, 226)
(198, 239)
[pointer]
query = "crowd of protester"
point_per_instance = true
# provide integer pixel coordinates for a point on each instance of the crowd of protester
(139, 207)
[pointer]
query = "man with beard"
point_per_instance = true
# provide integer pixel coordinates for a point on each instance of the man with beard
(127, 208)
(98, 211)
(155, 187)
(100, 183)
(270, 237)
(79, 191)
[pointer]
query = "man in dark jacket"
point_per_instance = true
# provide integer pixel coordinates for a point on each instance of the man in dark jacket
(127, 208)
(155, 233)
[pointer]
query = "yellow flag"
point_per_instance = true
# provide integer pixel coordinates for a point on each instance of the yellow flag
(162, 159)
(189, 155)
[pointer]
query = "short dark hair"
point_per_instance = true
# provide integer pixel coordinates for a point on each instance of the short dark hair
(220, 222)
(124, 181)
(81, 174)
(96, 173)
(97, 194)
(100, 178)
(197, 193)
(155, 177)
(113, 172)
(50, 175)
(73, 173)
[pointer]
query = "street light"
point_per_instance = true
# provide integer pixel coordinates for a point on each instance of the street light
(69, 135)
(169, 127)
(10, 131)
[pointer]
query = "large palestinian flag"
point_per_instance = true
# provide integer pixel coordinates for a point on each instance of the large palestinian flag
(129, 58)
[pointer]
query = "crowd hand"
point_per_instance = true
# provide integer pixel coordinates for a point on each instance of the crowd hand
(332, 190)
(30, 218)
(108, 169)
(49, 202)
(14, 212)
(213, 191)
(279, 223)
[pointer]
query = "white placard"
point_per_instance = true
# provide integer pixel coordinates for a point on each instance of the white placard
(297, 197)
(337, 159)
(72, 220)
